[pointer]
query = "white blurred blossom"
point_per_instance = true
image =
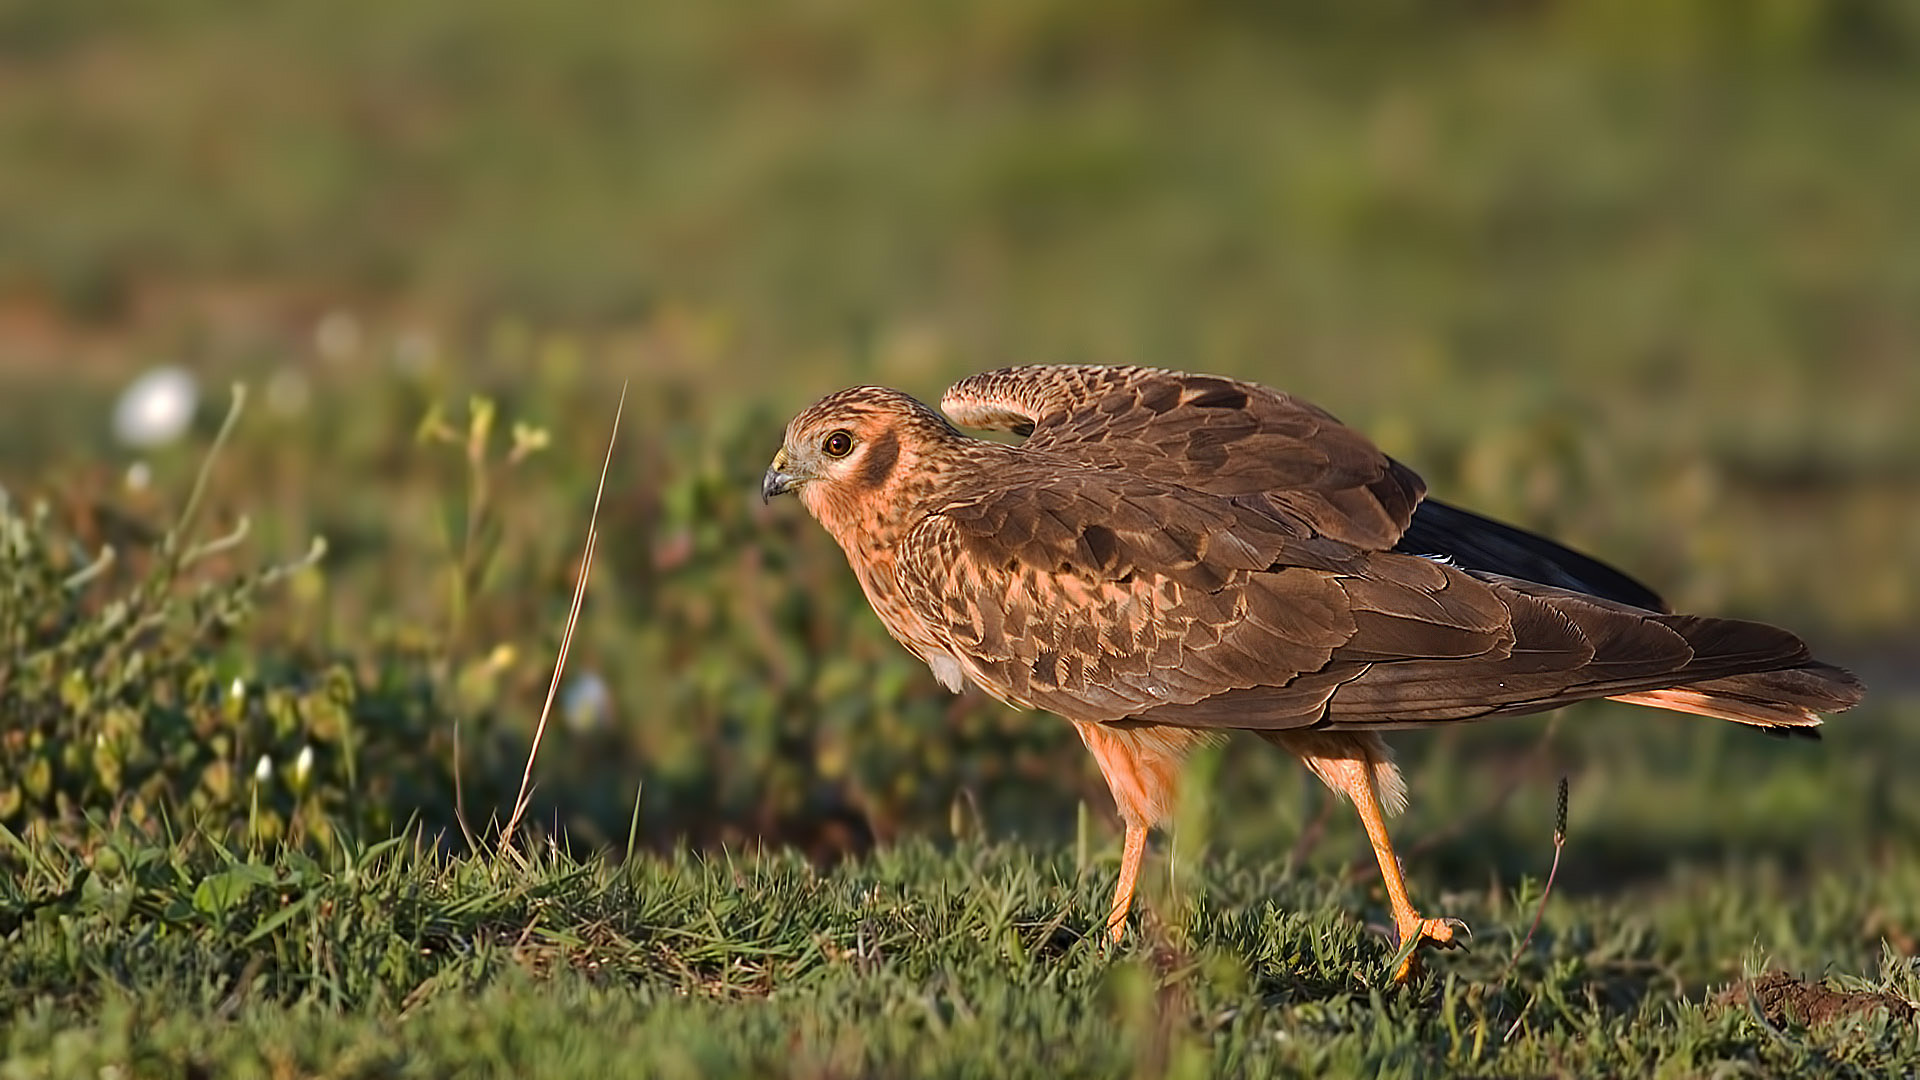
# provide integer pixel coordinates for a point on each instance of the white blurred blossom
(139, 476)
(156, 408)
(263, 771)
(337, 335)
(587, 704)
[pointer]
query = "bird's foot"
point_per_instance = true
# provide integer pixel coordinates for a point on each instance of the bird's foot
(1421, 932)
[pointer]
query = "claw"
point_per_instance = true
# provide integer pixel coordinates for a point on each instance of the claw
(1440, 931)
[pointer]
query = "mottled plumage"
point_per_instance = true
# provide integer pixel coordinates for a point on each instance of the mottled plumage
(1167, 557)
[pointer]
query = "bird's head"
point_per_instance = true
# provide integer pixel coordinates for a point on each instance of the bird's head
(852, 450)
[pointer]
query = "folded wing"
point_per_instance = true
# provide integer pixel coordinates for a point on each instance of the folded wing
(1276, 451)
(1109, 597)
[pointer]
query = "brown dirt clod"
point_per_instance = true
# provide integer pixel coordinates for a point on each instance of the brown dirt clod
(1784, 999)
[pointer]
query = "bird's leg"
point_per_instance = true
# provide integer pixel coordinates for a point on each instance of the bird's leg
(1130, 855)
(1141, 764)
(1407, 920)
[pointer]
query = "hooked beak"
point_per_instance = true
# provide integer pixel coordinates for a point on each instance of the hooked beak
(776, 482)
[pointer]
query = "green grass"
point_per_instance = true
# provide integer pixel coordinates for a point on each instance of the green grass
(1639, 274)
(973, 960)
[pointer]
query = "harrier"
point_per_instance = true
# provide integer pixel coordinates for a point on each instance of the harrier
(1168, 557)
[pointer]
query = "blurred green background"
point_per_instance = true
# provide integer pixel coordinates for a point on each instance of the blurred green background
(1645, 275)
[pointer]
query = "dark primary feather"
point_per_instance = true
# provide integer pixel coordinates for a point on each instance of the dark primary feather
(1480, 543)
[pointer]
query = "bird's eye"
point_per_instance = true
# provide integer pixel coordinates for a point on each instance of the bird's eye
(838, 444)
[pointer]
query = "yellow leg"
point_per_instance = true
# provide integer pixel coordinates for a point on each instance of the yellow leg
(1406, 919)
(1136, 847)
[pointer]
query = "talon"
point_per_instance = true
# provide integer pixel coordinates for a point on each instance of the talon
(1440, 931)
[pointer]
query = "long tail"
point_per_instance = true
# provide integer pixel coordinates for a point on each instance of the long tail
(1786, 702)
(1568, 647)
(1747, 672)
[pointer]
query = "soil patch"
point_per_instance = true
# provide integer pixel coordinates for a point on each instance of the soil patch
(1784, 999)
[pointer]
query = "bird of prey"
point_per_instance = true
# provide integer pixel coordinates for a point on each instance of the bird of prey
(1168, 557)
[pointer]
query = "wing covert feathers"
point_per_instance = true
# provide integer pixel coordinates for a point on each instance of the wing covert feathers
(1108, 598)
(1217, 435)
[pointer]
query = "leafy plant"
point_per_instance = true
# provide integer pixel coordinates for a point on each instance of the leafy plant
(121, 699)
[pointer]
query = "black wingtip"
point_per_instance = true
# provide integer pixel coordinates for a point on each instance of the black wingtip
(1480, 543)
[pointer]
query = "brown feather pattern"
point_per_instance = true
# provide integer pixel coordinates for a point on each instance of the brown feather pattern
(1217, 435)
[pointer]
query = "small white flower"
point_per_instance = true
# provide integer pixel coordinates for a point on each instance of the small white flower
(303, 765)
(587, 704)
(239, 687)
(139, 476)
(156, 408)
(263, 771)
(337, 335)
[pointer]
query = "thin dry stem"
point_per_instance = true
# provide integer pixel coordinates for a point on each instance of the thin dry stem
(460, 792)
(566, 637)
(184, 525)
(1559, 843)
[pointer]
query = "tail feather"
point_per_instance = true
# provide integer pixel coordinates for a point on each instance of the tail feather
(1786, 701)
